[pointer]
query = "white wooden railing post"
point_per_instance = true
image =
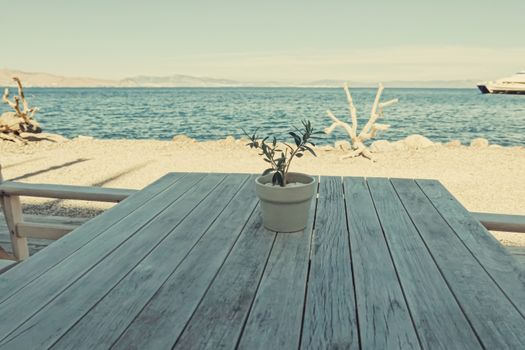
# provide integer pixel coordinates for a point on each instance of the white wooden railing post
(13, 216)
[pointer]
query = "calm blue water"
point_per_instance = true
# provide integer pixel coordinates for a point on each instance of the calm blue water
(214, 113)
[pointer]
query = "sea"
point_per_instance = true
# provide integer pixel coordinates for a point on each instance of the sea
(215, 113)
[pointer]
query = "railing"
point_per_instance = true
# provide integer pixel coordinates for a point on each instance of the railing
(23, 226)
(46, 227)
(501, 222)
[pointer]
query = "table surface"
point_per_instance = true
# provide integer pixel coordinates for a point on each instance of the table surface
(186, 263)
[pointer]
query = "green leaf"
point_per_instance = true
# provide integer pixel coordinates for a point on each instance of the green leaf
(299, 155)
(267, 171)
(310, 150)
(296, 138)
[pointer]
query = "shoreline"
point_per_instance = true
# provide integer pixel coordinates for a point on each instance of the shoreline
(485, 179)
(232, 137)
(337, 87)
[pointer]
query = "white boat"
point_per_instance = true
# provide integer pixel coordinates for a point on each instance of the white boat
(511, 85)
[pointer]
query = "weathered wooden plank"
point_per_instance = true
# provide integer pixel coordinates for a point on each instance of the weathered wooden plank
(438, 319)
(330, 313)
(384, 318)
(518, 253)
(6, 264)
(275, 319)
(497, 322)
(44, 328)
(218, 321)
(502, 267)
(23, 274)
(162, 320)
(520, 259)
(31, 298)
(120, 306)
(98, 194)
(516, 250)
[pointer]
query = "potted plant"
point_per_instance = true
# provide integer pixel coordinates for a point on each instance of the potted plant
(285, 196)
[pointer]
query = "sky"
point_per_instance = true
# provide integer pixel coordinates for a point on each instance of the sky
(286, 40)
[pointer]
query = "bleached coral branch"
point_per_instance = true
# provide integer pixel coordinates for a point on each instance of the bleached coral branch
(370, 129)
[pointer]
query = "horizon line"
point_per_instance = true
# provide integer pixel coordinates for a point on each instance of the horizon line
(247, 81)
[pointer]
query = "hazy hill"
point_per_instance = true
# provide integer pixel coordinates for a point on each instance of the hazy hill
(397, 83)
(31, 79)
(182, 81)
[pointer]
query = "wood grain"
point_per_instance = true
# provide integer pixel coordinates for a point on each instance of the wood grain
(23, 274)
(384, 317)
(330, 314)
(518, 253)
(123, 303)
(502, 267)
(275, 320)
(32, 297)
(497, 322)
(186, 263)
(6, 264)
(161, 321)
(218, 321)
(438, 319)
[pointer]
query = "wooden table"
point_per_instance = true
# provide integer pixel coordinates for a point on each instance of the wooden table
(185, 262)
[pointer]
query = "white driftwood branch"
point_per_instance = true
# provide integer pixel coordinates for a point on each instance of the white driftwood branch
(27, 112)
(353, 111)
(14, 124)
(378, 127)
(337, 123)
(15, 105)
(370, 129)
(388, 103)
(13, 138)
(21, 93)
(373, 114)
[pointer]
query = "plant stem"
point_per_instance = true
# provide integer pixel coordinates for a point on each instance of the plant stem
(288, 166)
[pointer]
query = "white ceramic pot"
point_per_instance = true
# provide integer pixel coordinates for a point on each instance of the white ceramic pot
(286, 209)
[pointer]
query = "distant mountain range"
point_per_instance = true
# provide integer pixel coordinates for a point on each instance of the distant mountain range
(31, 79)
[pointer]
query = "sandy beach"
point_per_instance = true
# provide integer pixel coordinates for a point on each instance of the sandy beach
(489, 179)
